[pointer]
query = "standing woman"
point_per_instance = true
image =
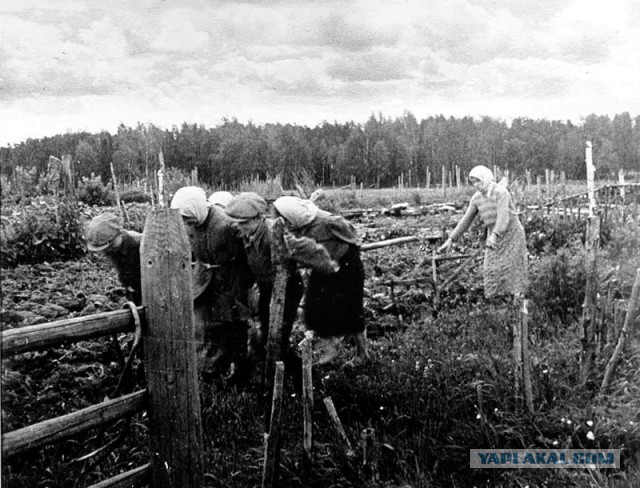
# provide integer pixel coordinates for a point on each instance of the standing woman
(330, 246)
(222, 282)
(505, 257)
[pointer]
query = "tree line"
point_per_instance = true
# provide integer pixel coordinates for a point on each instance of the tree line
(375, 153)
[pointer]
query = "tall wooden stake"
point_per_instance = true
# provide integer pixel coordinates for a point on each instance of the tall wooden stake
(587, 355)
(272, 439)
(276, 312)
(170, 356)
(517, 360)
(634, 302)
(307, 406)
(526, 360)
(370, 455)
(161, 180)
(123, 213)
(337, 425)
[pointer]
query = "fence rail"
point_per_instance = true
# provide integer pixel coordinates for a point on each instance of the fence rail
(43, 336)
(59, 428)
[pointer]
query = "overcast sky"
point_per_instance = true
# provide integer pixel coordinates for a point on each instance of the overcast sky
(69, 65)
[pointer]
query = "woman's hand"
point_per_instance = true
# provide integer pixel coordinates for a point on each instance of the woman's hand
(492, 241)
(446, 246)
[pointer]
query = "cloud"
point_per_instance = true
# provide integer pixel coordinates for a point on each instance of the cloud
(374, 65)
(587, 31)
(42, 60)
(179, 33)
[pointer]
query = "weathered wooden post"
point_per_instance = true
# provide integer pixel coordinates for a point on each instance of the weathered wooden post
(587, 354)
(517, 360)
(337, 425)
(161, 180)
(539, 186)
(632, 307)
(170, 356)
(370, 455)
(307, 408)
(547, 180)
(444, 181)
(621, 184)
(272, 438)
(526, 360)
(279, 258)
(116, 191)
(434, 277)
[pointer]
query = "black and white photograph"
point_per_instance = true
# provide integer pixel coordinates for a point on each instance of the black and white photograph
(314, 244)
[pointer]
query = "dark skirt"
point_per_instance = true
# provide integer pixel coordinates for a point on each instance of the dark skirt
(334, 302)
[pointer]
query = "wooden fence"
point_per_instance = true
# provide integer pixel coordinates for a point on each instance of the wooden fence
(172, 397)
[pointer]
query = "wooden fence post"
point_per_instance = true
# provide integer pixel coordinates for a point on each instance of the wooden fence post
(337, 425)
(272, 439)
(589, 306)
(161, 179)
(539, 186)
(276, 313)
(517, 360)
(631, 313)
(170, 356)
(307, 406)
(370, 455)
(526, 360)
(591, 290)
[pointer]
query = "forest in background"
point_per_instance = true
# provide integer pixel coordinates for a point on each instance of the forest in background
(375, 153)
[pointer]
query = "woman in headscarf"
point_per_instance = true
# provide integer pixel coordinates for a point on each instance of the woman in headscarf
(222, 277)
(505, 258)
(248, 210)
(122, 247)
(330, 247)
(220, 198)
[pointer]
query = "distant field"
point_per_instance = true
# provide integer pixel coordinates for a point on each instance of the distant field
(372, 197)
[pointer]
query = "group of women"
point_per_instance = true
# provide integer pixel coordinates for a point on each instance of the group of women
(231, 245)
(231, 239)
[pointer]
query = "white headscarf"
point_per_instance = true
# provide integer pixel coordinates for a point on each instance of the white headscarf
(485, 175)
(220, 198)
(192, 202)
(296, 211)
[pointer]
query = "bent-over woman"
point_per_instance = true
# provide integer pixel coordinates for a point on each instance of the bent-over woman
(221, 306)
(330, 247)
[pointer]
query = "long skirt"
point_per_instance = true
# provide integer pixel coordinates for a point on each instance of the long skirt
(334, 302)
(505, 267)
